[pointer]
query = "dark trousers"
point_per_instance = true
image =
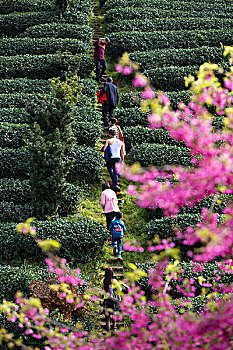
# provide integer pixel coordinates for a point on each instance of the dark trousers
(99, 63)
(109, 217)
(111, 166)
(107, 112)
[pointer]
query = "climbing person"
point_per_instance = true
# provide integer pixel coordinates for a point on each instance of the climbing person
(111, 102)
(109, 203)
(99, 57)
(116, 147)
(119, 134)
(117, 229)
(111, 288)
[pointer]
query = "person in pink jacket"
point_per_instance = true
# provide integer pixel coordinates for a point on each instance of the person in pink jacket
(109, 203)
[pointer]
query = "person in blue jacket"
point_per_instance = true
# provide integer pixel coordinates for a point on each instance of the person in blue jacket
(117, 228)
(111, 103)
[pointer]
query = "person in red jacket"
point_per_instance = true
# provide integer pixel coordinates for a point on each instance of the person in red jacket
(99, 60)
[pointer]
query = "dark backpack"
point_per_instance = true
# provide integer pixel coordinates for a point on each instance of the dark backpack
(107, 154)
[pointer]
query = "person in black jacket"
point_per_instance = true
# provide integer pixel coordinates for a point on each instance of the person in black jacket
(111, 103)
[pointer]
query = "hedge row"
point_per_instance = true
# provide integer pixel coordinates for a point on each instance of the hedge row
(132, 117)
(81, 240)
(20, 115)
(43, 66)
(16, 23)
(154, 154)
(40, 46)
(170, 78)
(141, 41)
(137, 135)
(129, 13)
(17, 99)
(148, 25)
(87, 163)
(15, 191)
(171, 4)
(11, 86)
(14, 135)
(132, 99)
(59, 30)
(86, 133)
(8, 6)
(177, 57)
(209, 271)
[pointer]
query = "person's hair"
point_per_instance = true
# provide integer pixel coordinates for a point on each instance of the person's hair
(105, 186)
(113, 120)
(112, 132)
(108, 278)
(117, 189)
(107, 39)
(119, 215)
(109, 79)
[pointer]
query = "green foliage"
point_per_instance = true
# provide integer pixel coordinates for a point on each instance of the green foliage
(145, 41)
(137, 135)
(14, 115)
(171, 4)
(177, 57)
(17, 99)
(82, 240)
(132, 117)
(15, 191)
(129, 13)
(16, 23)
(178, 23)
(86, 114)
(157, 155)
(170, 78)
(14, 135)
(14, 163)
(59, 30)
(8, 6)
(40, 46)
(86, 133)
(10, 86)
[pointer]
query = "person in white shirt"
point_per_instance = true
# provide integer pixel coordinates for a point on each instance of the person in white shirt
(117, 150)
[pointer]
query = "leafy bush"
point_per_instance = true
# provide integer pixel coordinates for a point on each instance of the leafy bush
(8, 6)
(132, 117)
(86, 133)
(15, 191)
(14, 115)
(170, 78)
(132, 99)
(16, 23)
(81, 240)
(17, 99)
(40, 46)
(129, 13)
(10, 86)
(154, 154)
(137, 135)
(11, 212)
(14, 135)
(177, 57)
(175, 5)
(178, 23)
(44, 66)
(59, 30)
(135, 41)
(86, 114)
(14, 163)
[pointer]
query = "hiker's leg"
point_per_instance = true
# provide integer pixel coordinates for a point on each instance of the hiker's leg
(119, 245)
(108, 323)
(104, 67)
(110, 111)
(105, 114)
(115, 173)
(109, 217)
(110, 168)
(97, 67)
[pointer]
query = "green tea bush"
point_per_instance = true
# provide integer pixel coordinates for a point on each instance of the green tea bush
(15, 191)
(89, 88)
(81, 240)
(10, 86)
(8, 6)
(14, 163)
(86, 133)
(40, 46)
(44, 66)
(171, 4)
(17, 99)
(178, 23)
(14, 135)
(59, 30)
(132, 99)
(131, 117)
(170, 78)
(138, 134)
(14, 115)
(11, 212)
(16, 23)
(135, 41)
(177, 57)
(86, 114)
(129, 13)
(154, 154)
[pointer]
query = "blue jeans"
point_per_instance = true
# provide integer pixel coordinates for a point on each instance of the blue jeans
(117, 242)
(99, 63)
(112, 170)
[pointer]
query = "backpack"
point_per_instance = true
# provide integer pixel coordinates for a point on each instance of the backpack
(107, 154)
